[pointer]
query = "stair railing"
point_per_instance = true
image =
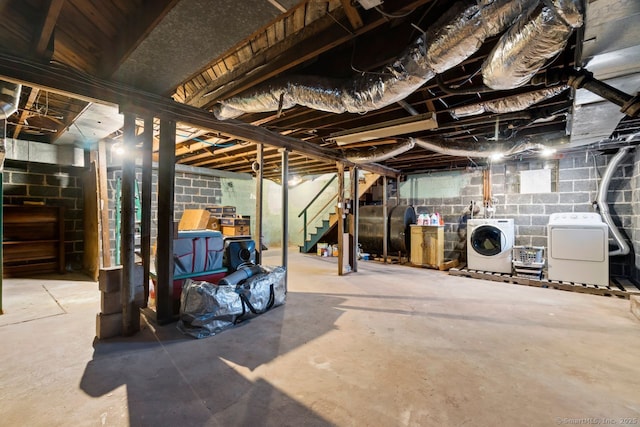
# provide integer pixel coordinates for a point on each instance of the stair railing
(306, 209)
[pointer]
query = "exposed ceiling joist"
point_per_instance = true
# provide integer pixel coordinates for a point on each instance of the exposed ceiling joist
(295, 55)
(352, 14)
(63, 80)
(33, 95)
(43, 39)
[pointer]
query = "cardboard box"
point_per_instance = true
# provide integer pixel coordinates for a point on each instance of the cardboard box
(194, 219)
(238, 230)
(232, 222)
(219, 210)
(214, 224)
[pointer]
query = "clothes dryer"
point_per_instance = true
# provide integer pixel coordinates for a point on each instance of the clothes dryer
(578, 248)
(489, 244)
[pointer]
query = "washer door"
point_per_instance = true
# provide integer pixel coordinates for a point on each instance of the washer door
(488, 240)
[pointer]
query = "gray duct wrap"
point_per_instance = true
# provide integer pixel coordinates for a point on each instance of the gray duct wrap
(477, 150)
(529, 44)
(509, 104)
(464, 28)
(458, 36)
(378, 154)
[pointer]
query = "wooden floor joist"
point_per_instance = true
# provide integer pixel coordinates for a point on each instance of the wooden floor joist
(618, 286)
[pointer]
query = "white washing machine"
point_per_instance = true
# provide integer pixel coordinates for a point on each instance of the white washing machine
(489, 244)
(578, 248)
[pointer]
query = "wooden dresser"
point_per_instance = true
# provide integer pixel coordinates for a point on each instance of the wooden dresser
(33, 240)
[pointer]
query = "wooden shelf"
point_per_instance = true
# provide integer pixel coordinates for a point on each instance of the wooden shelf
(33, 240)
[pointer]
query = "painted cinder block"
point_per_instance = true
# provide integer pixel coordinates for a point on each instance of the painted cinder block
(110, 302)
(108, 325)
(110, 279)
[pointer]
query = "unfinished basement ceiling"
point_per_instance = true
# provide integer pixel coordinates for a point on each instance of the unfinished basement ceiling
(342, 67)
(186, 39)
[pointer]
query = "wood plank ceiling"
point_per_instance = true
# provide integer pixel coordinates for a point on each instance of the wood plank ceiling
(335, 39)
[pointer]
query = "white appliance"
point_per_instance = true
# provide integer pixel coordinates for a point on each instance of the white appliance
(489, 244)
(578, 248)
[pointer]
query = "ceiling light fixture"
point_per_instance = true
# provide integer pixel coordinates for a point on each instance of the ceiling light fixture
(547, 152)
(496, 156)
(385, 129)
(118, 148)
(294, 180)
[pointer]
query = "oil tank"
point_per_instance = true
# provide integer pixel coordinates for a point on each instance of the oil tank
(371, 231)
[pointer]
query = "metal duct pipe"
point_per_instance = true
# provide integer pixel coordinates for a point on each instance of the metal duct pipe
(530, 43)
(368, 155)
(457, 38)
(623, 247)
(509, 104)
(361, 94)
(9, 98)
(462, 30)
(570, 11)
(478, 150)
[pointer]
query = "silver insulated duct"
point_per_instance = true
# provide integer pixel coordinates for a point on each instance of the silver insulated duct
(9, 101)
(364, 93)
(509, 104)
(9, 98)
(458, 35)
(464, 28)
(378, 154)
(477, 150)
(530, 43)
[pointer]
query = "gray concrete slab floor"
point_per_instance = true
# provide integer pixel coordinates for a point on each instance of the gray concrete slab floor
(390, 345)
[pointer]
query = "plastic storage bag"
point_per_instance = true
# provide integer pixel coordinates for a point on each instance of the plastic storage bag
(207, 309)
(263, 291)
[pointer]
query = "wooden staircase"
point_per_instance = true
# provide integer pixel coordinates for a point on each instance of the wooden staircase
(327, 224)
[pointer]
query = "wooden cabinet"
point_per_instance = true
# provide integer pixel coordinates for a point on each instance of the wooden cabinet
(33, 240)
(427, 245)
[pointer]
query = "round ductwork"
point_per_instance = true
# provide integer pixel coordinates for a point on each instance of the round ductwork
(9, 99)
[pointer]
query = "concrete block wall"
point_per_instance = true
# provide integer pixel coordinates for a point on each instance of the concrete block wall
(192, 191)
(55, 186)
(451, 209)
(574, 187)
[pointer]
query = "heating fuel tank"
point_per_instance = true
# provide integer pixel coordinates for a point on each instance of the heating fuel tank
(371, 231)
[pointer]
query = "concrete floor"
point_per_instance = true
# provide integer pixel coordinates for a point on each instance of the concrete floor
(389, 346)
